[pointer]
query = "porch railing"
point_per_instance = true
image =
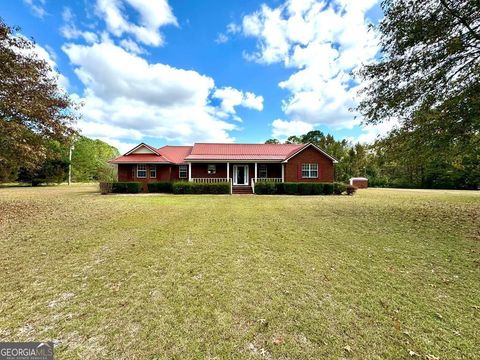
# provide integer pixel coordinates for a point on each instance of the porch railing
(268, 179)
(210, 180)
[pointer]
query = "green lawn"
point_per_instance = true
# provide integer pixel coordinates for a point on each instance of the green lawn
(375, 276)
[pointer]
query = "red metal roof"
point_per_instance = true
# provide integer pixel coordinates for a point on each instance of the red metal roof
(212, 151)
(176, 154)
(140, 158)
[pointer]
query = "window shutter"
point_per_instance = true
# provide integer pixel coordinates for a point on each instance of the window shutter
(318, 170)
(299, 171)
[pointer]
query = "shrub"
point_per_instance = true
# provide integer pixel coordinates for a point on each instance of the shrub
(184, 187)
(127, 187)
(305, 188)
(279, 188)
(317, 188)
(105, 187)
(265, 187)
(351, 189)
(339, 188)
(328, 188)
(290, 188)
(160, 187)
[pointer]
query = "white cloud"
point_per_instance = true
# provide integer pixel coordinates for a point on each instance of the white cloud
(221, 38)
(70, 31)
(152, 15)
(230, 98)
(126, 97)
(132, 46)
(283, 129)
(324, 42)
(370, 133)
(37, 7)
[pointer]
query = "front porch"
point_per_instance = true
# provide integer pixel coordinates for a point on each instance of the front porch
(242, 176)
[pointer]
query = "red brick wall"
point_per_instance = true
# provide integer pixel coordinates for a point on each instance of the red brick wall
(128, 172)
(309, 155)
(200, 170)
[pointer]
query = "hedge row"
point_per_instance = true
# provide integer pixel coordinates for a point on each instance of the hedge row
(184, 187)
(127, 187)
(160, 187)
(300, 188)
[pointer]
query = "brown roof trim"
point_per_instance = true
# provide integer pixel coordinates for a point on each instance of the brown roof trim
(316, 147)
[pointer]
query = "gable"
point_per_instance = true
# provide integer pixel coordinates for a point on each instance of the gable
(143, 149)
(311, 150)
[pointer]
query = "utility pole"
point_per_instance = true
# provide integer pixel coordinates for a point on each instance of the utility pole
(70, 164)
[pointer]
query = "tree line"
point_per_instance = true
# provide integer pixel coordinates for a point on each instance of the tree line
(427, 78)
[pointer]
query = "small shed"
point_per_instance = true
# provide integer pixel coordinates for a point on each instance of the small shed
(359, 182)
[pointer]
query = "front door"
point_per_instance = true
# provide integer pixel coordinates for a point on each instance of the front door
(240, 174)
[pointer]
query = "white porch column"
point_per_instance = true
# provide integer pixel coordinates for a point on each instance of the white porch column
(189, 171)
(283, 172)
(228, 171)
(256, 171)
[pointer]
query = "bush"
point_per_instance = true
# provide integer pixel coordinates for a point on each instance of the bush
(351, 189)
(265, 187)
(127, 187)
(339, 188)
(160, 187)
(328, 188)
(317, 188)
(105, 187)
(184, 187)
(305, 188)
(290, 188)
(279, 188)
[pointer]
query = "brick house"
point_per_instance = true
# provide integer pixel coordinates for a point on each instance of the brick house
(240, 164)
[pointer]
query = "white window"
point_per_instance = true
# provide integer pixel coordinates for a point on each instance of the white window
(183, 171)
(262, 171)
(141, 171)
(212, 169)
(309, 171)
(153, 171)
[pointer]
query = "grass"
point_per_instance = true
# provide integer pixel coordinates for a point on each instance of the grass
(376, 275)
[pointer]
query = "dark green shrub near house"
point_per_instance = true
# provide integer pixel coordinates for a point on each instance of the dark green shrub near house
(160, 187)
(291, 188)
(327, 188)
(184, 187)
(127, 187)
(339, 188)
(265, 187)
(279, 188)
(305, 188)
(297, 188)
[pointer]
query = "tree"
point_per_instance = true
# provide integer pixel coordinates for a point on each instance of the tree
(428, 78)
(272, 141)
(34, 110)
(90, 160)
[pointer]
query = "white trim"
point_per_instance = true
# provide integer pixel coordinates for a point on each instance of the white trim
(316, 147)
(245, 176)
(150, 168)
(228, 170)
(179, 171)
(283, 172)
(309, 170)
(256, 166)
(146, 172)
(190, 171)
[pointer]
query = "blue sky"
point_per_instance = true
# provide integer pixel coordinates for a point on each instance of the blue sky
(175, 72)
